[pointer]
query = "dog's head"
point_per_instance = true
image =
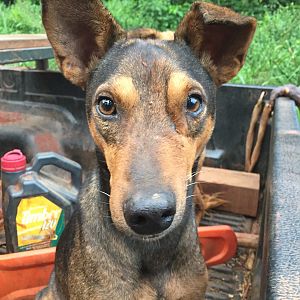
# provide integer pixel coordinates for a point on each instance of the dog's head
(150, 102)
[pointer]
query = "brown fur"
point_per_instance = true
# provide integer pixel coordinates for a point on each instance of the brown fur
(149, 33)
(208, 29)
(186, 289)
(97, 31)
(151, 146)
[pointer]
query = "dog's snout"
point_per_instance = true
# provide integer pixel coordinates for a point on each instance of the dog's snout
(150, 215)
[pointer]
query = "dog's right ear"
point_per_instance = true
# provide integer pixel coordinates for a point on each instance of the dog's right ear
(80, 32)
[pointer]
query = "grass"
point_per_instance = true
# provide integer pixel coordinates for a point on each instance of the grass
(162, 14)
(273, 58)
(23, 17)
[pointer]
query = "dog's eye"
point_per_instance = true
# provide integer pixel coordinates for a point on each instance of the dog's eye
(106, 106)
(194, 104)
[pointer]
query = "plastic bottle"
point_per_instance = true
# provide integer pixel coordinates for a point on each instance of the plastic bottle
(37, 204)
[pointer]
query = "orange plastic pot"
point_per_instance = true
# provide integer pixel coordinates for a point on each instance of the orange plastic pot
(24, 274)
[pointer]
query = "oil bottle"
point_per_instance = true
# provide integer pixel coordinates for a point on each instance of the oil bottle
(37, 203)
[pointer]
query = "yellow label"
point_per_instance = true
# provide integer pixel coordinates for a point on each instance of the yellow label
(37, 218)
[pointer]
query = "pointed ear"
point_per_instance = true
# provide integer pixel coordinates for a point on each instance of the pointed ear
(219, 37)
(80, 32)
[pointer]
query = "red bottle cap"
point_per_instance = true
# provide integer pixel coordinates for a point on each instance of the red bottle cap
(13, 161)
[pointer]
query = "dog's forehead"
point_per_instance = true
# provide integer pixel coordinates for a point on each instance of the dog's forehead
(149, 63)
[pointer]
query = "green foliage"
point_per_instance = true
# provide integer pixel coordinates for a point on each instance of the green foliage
(273, 58)
(161, 14)
(274, 55)
(255, 8)
(23, 17)
(165, 14)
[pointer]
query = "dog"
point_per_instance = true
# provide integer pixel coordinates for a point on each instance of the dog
(150, 105)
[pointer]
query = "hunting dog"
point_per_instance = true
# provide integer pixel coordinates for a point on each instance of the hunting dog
(150, 104)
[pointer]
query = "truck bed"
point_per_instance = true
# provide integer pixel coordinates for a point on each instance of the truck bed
(41, 111)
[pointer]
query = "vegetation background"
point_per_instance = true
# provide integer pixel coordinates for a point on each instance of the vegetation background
(274, 56)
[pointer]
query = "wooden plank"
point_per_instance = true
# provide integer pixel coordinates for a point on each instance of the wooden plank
(247, 240)
(239, 189)
(18, 41)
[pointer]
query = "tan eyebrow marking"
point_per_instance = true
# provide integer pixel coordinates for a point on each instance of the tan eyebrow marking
(122, 90)
(178, 87)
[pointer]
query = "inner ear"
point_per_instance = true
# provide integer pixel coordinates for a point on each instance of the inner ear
(219, 37)
(80, 33)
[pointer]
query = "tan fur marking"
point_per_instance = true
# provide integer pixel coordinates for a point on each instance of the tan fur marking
(126, 91)
(187, 149)
(118, 161)
(122, 90)
(145, 292)
(205, 135)
(149, 33)
(166, 35)
(200, 144)
(179, 86)
(96, 136)
(176, 156)
(198, 200)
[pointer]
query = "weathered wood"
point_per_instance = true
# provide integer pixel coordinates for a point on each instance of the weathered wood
(18, 41)
(247, 240)
(239, 189)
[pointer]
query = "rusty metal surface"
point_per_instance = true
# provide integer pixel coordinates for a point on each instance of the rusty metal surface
(238, 223)
(40, 127)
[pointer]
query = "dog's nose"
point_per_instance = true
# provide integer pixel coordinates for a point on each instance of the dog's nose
(150, 215)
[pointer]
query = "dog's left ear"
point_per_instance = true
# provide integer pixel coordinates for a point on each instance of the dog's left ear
(219, 37)
(80, 32)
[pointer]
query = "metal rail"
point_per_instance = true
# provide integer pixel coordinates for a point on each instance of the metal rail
(9, 56)
(281, 259)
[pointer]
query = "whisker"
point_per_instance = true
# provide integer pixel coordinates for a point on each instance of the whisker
(193, 183)
(194, 174)
(105, 193)
(190, 196)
